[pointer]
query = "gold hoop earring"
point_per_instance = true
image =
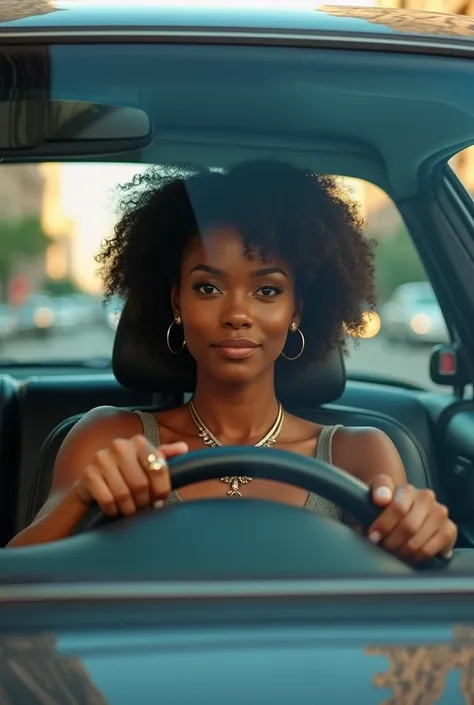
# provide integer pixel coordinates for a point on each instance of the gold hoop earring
(176, 322)
(294, 329)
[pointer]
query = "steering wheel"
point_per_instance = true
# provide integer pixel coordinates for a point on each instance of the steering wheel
(222, 539)
(218, 537)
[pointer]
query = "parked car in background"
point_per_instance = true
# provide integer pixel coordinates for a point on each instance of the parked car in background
(89, 307)
(8, 322)
(412, 315)
(36, 315)
(68, 313)
(112, 311)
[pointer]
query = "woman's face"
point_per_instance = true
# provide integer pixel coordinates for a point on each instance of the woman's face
(236, 306)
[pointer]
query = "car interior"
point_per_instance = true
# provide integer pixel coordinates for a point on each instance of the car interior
(300, 100)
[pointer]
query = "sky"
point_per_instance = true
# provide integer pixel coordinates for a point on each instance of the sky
(87, 198)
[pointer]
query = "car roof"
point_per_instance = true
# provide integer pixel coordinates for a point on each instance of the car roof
(341, 109)
(303, 16)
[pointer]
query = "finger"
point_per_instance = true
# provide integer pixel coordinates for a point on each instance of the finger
(132, 471)
(402, 502)
(416, 527)
(154, 463)
(435, 517)
(97, 489)
(441, 542)
(112, 475)
(382, 488)
(171, 450)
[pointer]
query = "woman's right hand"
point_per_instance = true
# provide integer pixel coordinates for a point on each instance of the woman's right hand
(121, 478)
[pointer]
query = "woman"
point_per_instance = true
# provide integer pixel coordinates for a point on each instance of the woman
(237, 263)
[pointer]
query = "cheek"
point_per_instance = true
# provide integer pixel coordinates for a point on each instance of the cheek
(276, 318)
(196, 316)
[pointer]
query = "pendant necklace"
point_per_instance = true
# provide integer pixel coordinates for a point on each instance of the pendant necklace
(209, 439)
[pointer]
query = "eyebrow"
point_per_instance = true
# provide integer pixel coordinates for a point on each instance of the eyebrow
(269, 270)
(210, 270)
(220, 273)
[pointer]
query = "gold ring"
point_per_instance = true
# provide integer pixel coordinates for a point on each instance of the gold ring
(155, 464)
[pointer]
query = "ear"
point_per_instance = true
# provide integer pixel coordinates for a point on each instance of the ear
(297, 313)
(175, 301)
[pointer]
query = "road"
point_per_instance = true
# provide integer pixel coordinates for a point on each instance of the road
(407, 364)
(373, 356)
(77, 344)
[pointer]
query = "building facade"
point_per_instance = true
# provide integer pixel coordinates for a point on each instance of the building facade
(21, 202)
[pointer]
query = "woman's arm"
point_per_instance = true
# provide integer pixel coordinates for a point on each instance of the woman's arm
(413, 524)
(104, 459)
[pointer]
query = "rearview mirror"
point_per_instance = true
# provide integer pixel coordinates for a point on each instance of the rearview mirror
(43, 127)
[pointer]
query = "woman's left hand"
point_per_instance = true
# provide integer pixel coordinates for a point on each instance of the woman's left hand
(412, 525)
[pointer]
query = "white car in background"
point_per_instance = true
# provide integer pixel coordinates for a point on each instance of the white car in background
(112, 312)
(412, 315)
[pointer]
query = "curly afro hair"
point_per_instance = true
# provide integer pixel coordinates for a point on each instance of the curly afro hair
(304, 218)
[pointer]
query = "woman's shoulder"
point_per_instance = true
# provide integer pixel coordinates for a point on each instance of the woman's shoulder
(365, 451)
(103, 419)
(110, 422)
(359, 437)
(361, 450)
(95, 431)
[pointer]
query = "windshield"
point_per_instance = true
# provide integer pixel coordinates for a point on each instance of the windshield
(54, 214)
(53, 218)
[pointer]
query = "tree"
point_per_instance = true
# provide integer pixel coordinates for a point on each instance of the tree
(61, 287)
(397, 262)
(22, 237)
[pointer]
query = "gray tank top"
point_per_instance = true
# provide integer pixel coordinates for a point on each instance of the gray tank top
(314, 503)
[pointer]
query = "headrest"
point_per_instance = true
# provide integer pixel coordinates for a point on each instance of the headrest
(164, 372)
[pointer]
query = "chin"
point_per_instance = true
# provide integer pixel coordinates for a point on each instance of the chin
(236, 373)
(234, 377)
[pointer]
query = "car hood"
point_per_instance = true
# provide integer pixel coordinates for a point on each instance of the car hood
(336, 666)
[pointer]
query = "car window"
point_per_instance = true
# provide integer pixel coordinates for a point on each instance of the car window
(54, 217)
(463, 166)
(408, 321)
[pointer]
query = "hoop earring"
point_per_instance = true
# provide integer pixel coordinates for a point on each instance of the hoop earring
(294, 329)
(176, 322)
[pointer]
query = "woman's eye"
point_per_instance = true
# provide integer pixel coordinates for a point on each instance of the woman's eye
(270, 290)
(206, 288)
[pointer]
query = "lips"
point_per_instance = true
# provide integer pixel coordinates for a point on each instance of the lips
(236, 343)
(236, 348)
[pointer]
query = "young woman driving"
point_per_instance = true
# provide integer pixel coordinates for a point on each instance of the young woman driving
(262, 261)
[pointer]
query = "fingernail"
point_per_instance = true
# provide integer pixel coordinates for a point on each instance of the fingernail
(448, 553)
(383, 493)
(158, 504)
(181, 444)
(375, 536)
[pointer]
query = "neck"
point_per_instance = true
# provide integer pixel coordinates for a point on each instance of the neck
(239, 415)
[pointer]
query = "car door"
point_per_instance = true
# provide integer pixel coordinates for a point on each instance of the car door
(448, 254)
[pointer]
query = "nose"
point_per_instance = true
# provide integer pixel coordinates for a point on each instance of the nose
(237, 312)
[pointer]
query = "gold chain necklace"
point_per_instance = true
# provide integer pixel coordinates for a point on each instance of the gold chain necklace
(209, 439)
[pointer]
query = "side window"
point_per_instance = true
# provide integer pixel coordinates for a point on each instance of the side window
(463, 166)
(408, 321)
